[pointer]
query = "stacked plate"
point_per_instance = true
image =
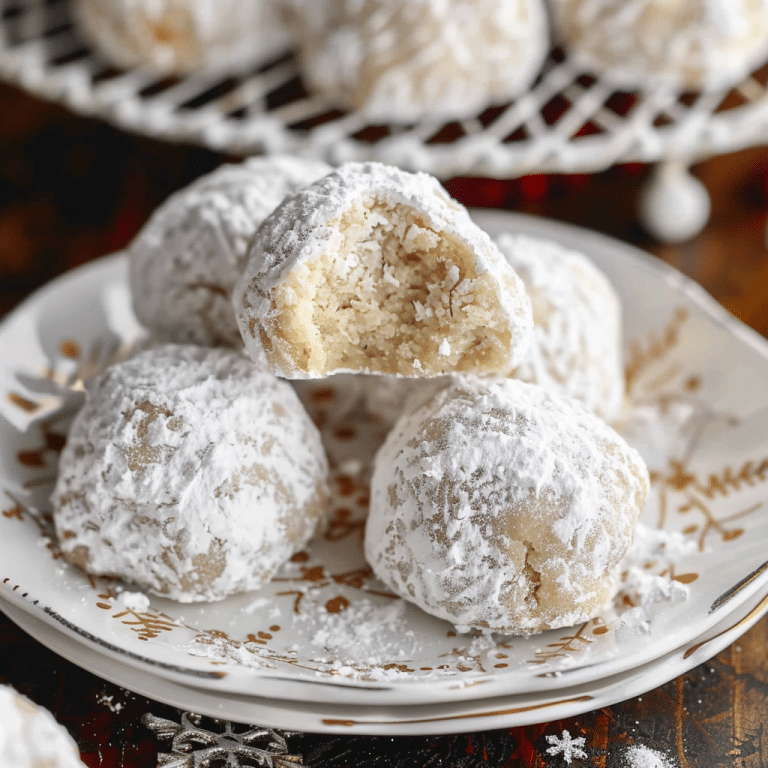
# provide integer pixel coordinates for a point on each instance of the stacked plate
(324, 647)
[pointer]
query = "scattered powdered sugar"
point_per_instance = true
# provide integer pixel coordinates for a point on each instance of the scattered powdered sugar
(640, 756)
(365, 632)
(110, 703)
(646, 574)
(134, 601)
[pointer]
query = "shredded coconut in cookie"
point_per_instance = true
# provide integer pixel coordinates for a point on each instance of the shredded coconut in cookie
(30, 737)
(186, 260)
(373, 270)
(577, 327)
(652, 43)
(190, 473)
(501, 505)
(405, 60)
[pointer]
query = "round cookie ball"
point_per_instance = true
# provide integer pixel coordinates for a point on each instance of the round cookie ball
(190, 473)
(375, 270)
(501, 505)
(184, 36)
(406, 60)
(186, 259)
(30, 737)
(577, 344)
(647, 44)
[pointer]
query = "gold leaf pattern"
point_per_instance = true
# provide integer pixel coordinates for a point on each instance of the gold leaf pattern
(641, 356)
(566, 645)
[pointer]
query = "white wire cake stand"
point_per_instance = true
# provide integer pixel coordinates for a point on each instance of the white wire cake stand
(570, 121)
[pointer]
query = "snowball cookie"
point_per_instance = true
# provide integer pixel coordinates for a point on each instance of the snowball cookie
(577, 326)
(183, 36)
(188, 256)
(190, 473)
(698, 44)
(499, 504)
(404, 60)
(375, 270)
(30, 737)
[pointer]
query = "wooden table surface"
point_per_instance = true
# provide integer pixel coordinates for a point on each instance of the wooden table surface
(73, 189)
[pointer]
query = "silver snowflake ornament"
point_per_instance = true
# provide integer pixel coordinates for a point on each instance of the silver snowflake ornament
(193, 746)
(567, 746)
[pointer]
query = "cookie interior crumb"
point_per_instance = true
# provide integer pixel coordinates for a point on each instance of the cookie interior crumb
(393, 296)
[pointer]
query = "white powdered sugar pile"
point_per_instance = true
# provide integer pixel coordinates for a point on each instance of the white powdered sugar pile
(641, 586)
(365, 634)
(134, 601)
(640, 756)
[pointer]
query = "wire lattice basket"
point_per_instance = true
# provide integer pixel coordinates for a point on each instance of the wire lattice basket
(570, 121)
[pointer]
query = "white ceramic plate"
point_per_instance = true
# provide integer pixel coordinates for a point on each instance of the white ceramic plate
(453, 717)
(325, 630)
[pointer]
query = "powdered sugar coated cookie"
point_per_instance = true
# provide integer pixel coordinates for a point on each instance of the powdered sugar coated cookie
(375, 270)
(189, 473)
(182, 36)
(501, 505)
(405, 60)
(30, 737)
(577, 324)
(696, 44)
(188, 257)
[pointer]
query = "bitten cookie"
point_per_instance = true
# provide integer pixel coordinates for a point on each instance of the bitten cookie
(577, 326)
(501, 505)
(186, 259)
(406, 60)
(30, 737)
(190, 473)
(183, 36)
(375, 270)
(695, 44)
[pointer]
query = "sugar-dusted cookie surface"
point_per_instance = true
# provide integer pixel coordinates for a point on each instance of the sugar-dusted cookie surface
(501, 505)
(190, 473)
(182, 36)
(577, 324)
(376, 270)
(695, 44)
(187, 258)
(406, 60)
(30, 737)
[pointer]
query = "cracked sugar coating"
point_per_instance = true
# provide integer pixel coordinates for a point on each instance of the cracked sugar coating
(181, 36)
(30, 737)
(186, 260)
(190, 473)
(405, 60)
(375, 270)
(499, 504)
(577, 325)
(695, 44)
